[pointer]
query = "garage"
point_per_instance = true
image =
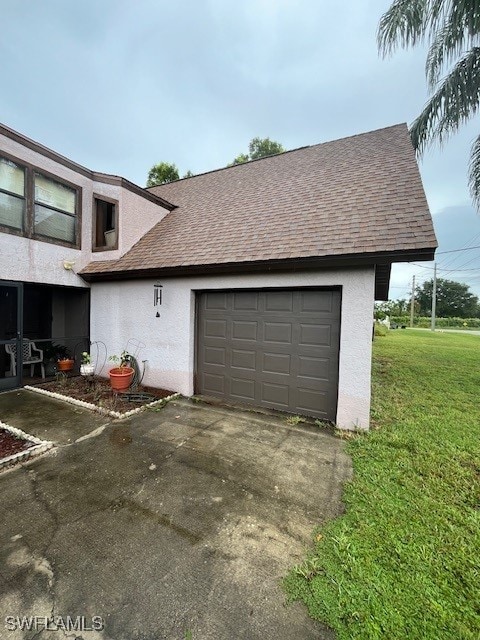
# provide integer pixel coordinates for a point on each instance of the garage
(275, 348)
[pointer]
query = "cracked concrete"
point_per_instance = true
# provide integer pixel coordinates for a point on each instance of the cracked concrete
(176, 520)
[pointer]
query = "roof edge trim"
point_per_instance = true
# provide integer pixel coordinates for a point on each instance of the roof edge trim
(289, 264)
(78, 168)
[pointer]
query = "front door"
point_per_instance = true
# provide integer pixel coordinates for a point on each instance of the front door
(10, 335)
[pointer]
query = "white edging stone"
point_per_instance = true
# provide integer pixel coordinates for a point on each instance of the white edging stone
(93, 407)
(39, 446)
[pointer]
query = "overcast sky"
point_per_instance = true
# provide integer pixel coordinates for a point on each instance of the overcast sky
(119, 85)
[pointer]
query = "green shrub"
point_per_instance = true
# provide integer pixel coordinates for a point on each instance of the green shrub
(425, 322)
(380, 329)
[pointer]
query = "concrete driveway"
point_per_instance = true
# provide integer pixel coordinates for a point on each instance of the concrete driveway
(178, 523)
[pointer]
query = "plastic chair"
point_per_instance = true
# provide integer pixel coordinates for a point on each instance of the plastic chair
(28, 357)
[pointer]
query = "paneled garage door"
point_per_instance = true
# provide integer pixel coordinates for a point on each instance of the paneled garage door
(277, 349)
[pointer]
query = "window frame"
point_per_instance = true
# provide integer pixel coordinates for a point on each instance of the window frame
(98, 196)
(9, 228)
(28, 230)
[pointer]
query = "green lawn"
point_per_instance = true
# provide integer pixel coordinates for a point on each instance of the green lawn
(404, 560)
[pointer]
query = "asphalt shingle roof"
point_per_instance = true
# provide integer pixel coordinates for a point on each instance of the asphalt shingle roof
(357, 195)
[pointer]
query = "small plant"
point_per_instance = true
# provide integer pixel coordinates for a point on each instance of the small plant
(321, 424)
(61, 378)
(123, 360)
(309, 568)
(86, 358)
(294, 420)
(62, 352)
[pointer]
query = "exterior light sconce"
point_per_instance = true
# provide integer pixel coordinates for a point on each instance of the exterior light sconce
(157, 297)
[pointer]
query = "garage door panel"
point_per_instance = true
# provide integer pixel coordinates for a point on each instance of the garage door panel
(245, 301)
(317, 301)
(277, 363)
(275, 394)
(277, 349)
(277, 332)
(279, 301)
(214, 383)
(216, 300)
(244, 359)
(215, 355)
(315, 335)
(216, 328)
(312, 401)
(242, 388)
(315, 368)
(243, 330)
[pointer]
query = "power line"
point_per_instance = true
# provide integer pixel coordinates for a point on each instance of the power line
(441, 253)
(422, 266)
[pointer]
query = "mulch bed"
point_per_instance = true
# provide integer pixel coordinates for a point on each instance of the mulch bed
(10, 444)
(97, 391)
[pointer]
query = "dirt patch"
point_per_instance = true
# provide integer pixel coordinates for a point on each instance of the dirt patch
(97, 391)
(10, 444)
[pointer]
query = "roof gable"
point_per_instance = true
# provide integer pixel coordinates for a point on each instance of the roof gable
(356, 196)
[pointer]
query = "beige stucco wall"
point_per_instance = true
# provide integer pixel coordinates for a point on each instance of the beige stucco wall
(125, 310)
(26, 260)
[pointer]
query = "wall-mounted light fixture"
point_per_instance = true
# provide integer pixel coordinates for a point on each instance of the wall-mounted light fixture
(68, 265)
(157, 297)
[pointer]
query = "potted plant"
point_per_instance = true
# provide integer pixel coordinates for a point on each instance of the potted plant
(64, 361)
(121, 376)
(87, 367)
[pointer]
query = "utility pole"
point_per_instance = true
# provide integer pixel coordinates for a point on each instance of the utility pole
(412, 303)
(434, 295)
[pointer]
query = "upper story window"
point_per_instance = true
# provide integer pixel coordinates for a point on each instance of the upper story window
(105, 224)
(12, 194)
(55, 209)
(37, 205)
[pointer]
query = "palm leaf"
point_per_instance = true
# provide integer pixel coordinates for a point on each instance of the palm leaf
(404, 24)
(459, 31)
(474, 172)
(455, 101)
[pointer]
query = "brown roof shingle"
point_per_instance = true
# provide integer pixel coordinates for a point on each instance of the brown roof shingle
(357, 195)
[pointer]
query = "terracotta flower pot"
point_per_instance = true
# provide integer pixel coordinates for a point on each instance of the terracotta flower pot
(121, 378)
(65, 365)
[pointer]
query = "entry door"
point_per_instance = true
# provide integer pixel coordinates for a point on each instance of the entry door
(10, 335)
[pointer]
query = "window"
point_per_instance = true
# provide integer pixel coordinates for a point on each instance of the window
(105, 224)
(55, 209)
(37, 205)
(12, 194)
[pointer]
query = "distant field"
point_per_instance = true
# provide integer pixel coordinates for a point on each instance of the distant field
(403, 562)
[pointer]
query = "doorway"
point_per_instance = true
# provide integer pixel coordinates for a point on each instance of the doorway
(40, 324)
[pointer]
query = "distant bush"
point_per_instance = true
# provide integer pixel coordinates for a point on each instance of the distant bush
(380, 329)
(425, 321)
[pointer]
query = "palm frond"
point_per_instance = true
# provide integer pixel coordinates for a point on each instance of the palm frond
(459, 31)
(404, 24)
(474, 172)
(455, 101)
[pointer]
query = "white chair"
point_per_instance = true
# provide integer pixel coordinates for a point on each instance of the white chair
(28, 357)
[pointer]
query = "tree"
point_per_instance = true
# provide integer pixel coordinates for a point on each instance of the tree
(454, 299)
(162, 173)
(391, 308)
(451, 28)
(259, 148)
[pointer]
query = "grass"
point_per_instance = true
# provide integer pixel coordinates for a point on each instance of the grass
(403, 561)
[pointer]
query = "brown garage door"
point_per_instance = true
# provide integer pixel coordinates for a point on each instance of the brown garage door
(277, 349)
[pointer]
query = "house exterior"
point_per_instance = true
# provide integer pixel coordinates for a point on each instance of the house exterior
(253, 284)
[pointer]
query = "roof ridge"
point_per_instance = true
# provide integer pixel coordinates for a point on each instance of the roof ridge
(275, 155)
